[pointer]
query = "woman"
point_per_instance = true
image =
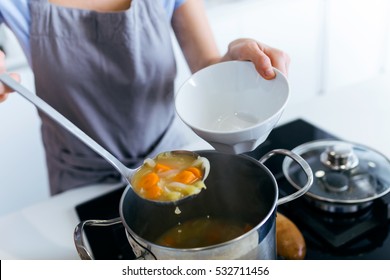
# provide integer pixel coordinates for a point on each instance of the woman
(109, 67)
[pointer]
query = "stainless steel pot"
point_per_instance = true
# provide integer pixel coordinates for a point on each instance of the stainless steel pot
(238, 187)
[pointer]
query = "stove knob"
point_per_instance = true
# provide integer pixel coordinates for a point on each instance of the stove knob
(339, 157)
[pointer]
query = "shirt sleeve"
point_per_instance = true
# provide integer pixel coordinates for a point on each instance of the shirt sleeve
(171, 5)
(15, 15)
(178, 3)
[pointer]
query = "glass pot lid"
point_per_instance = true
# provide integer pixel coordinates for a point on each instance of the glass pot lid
(344, 172)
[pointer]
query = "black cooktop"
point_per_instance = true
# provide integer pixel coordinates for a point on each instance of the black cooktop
(360, 235)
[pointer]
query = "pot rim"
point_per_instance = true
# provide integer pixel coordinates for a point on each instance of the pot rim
(343, 202)
(337, 207)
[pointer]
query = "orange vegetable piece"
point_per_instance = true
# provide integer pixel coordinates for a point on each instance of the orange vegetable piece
(161, 168)
(214, 237)
(148, 181)
(168, 241)
(185, 177)
(195, 171)
(153, 192)
(247, 227)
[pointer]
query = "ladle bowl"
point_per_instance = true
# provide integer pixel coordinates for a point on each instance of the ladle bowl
(126, 172)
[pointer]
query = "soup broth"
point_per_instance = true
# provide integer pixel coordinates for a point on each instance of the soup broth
(202, 232)
(170, 176)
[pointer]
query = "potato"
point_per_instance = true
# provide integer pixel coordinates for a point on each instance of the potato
(290, 244)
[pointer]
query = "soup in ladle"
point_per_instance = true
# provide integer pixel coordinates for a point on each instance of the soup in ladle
(170, 176)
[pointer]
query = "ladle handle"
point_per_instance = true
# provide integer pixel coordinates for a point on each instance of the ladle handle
(302, 163)
(65, 123)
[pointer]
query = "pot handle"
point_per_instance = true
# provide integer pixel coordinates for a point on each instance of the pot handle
(302, 163)
(82, 250)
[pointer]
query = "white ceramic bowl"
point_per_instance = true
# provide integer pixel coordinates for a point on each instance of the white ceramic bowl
(231, 106)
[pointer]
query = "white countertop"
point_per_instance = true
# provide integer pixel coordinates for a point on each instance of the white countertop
(45, 230)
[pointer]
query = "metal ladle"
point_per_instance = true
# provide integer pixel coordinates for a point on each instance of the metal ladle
(127, 173)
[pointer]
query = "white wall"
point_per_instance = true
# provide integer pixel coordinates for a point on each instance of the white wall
(356, 41)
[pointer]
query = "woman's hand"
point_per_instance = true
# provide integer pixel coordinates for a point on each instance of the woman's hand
(264, 57)
(4, 90)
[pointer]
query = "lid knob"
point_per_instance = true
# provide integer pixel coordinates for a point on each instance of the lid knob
(339, 157)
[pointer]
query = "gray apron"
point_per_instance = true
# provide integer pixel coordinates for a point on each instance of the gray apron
(112, 74)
